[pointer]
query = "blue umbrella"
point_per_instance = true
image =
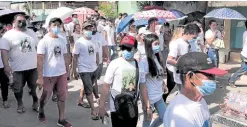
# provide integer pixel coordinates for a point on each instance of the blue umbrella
(178, 14)
(125, 22)
(225, 13)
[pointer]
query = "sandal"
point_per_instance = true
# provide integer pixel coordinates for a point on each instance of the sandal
(95, 117)
(35, 107)
(84, 105)
(21, 110)
(6, 104)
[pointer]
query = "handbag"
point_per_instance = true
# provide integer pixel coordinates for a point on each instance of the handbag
(126, 103)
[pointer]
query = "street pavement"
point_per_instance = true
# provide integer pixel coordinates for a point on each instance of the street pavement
(80, 117)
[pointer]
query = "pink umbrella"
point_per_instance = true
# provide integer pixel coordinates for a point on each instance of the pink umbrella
(160, 14)
(83, 12)
(67, 20)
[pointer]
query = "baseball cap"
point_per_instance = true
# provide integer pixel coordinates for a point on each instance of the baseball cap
(197, 61)
(128, 41)
(54, 20)
(86, 24)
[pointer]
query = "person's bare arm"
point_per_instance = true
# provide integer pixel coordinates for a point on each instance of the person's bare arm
(106, 53)
(144, 94)
(40, 58)
(171, 60)
(74, 65)
(5, 59)
(97, 58)
(67, 59)
(105, 36)
(103, 97)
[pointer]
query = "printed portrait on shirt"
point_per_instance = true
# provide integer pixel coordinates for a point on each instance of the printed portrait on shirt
(26, 45)
(129, 80)
(57, 51)
(90, 50)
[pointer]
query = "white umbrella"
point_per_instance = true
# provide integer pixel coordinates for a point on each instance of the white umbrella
(225, 13)
(62, 13)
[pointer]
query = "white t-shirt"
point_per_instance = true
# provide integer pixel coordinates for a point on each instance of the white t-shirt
(70, 28)
(99, 41)
(121, 74)
(22, 49)
(1, 62)
(173, 48)
(140, 51)
(178, 48)
(183, 112)
(154, 84)
(53, 50)
(60, 35)
(86, 50)
(76, 36)
(110, 35)
(209, 34)
(244, 50)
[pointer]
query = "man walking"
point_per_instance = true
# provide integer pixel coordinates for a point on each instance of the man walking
(110, 37)
(84, 58)
(234, 77)
(20, 59)
(189, 109)
(53, 70)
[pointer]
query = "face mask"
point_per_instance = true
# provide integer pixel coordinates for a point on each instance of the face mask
(22, 24)
(75, 20)
(55, 30)
(156, 49)
(207, 88)
(88, 34)
(127, 55)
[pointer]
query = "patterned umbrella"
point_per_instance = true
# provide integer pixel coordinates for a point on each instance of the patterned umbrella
(160, 14)
(83, 12)
(225, 13)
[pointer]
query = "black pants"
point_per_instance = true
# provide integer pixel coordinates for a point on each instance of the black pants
(4, 84)
(117, 122)
(170, 83)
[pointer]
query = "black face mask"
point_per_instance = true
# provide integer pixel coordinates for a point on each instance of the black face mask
(94, 32)
(22, 24)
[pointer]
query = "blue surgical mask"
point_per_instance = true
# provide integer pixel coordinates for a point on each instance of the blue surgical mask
(88, 34)
(127, 55)
(207, 88)
(156, 49)
(55, 30)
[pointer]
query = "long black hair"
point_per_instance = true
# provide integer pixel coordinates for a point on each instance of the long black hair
(148, 40)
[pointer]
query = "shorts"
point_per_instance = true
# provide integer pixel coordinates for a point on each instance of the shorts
(20, 78)
(88, 79)
(99, 71)
(58, 82)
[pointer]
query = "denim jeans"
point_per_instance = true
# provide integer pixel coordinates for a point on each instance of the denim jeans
(161, 108)
(239, 72)
(114, 54)
(213, 54)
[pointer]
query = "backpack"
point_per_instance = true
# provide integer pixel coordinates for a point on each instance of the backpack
(126, 103)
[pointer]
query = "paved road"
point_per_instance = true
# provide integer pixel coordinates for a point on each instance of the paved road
(80, 117)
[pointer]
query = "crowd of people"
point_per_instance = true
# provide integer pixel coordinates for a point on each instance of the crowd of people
(147, 55)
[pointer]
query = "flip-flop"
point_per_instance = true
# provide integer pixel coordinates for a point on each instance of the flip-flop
(6, 104)
(84, 105)
(95, 117)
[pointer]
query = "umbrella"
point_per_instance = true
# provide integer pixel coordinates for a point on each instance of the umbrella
(196, 15)
(83, 12)
(178, 14)
(225, 13)
(62, 13)
(7, 15)
(160, 14)
(125, 22)
(39, 18)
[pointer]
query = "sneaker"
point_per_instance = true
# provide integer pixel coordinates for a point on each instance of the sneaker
(41, 117)
(63, 123)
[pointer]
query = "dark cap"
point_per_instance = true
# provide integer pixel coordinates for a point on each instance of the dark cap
(128, 41)
(86, 24)
(197, 61)
(55, 20)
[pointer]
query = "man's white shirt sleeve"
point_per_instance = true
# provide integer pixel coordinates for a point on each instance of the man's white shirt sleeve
(109, 75)
(4, 44)
(41, 47)
(77, 48)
